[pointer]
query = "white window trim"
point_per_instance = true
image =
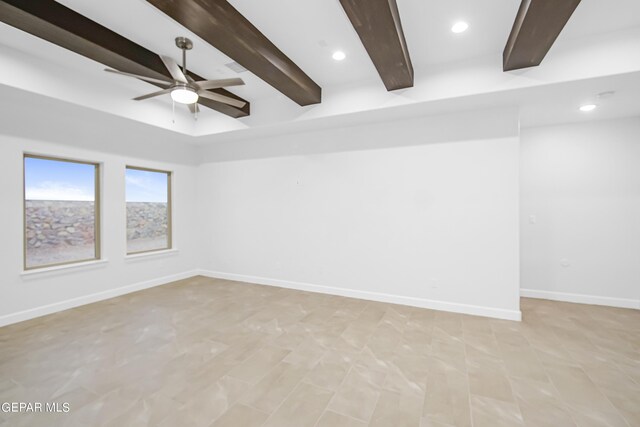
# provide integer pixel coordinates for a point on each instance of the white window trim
(83, 265)
(151, 254)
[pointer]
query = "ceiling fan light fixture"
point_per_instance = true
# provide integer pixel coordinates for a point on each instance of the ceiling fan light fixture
(184, 95)
(182, 87)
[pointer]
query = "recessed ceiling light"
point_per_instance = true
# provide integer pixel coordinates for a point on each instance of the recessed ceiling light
(338, 55)
(588, 107)
(460, 27)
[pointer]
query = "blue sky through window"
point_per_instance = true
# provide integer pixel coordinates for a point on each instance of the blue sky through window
(56, 180)
(146, 186)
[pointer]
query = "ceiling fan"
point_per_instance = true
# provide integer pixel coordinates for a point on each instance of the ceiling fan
(183, 88)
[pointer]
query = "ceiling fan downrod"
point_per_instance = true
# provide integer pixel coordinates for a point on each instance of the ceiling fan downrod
(184, 44)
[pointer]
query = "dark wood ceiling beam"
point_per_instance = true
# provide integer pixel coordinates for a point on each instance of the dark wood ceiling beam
(537, 26)
(56, 23)
(223, 27)
(378, 25)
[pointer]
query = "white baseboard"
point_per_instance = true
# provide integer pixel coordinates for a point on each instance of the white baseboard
(581, 298)
(372, 296)
(88, 299)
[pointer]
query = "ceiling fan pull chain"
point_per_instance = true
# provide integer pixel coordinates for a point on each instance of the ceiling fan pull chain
(173, 117)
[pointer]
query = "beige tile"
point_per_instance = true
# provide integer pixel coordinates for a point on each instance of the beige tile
(452, 352)
(398, 410)
(544, 413)
(575, 387)
(622, 391)
(446, 399)
(331, 369)
(474, 326)
(628, 407)
(521, 361)
(377, 366)
(414, 342)
(426, 422)
(353, 338)
(396, 317)
(292, 336)
(106, 408)
(487, 376)
(588, 417)
(384, 341)
(306, 354)
(203, 352)
(630, 367)
(274, 387)
(302, 408)
(333, 419)
(30, 420)
(533, 390)
(239, 415)
(408, 375)
(149, 411)
(551, 355)
(449, 324)
(319, 315)
(487, 412)
(215, 400)
(373, 313)
(357, 396)
(254, 368)
(485, 343)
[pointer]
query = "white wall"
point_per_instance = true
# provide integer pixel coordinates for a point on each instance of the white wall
(581, 184)
(56, 130)
(422, 211)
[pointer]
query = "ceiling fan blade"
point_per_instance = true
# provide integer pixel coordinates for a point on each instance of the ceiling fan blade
(174, 69)
(145, 78)
(194, 108)
(215, 84)
(151, 95)
(221, 98)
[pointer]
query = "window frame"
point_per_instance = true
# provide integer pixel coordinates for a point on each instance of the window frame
(96, 205)
(169, 210)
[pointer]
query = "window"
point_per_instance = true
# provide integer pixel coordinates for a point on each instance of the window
(61, 211)
(148, 210)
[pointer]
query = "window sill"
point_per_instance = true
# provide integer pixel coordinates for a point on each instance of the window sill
(153, 254)
(64, 268)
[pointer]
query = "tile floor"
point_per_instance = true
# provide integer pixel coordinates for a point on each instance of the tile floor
(205, 352)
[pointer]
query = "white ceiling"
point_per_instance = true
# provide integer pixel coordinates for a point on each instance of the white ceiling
(427, 23)
(308, 32)
(538, 106)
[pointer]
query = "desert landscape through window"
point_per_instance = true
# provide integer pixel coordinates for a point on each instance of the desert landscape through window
(148, 210)
(60, 211)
